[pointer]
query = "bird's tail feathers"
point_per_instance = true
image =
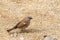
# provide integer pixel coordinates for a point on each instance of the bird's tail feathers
(11, 29)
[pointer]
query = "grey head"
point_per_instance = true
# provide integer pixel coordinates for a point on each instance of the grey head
(28, 18)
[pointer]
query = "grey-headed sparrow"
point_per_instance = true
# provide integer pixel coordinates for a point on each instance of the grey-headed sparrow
(24, 23)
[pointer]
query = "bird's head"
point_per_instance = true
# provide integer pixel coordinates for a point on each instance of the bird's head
(28, 17)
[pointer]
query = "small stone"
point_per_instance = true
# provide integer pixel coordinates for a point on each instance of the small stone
(49, 38)
(15, 34)
(21, 38)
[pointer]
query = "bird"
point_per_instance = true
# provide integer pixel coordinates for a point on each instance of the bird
(23, 24)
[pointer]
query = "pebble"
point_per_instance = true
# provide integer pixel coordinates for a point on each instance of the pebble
(49, 38)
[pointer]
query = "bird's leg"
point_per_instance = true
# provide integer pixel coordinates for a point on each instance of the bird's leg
(24, 30)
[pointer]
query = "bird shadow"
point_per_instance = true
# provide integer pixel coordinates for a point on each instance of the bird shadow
(31, 31)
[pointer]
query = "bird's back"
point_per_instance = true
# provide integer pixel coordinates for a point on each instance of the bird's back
(23, 24)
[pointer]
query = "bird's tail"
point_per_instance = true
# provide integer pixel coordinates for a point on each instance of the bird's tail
(11, 29)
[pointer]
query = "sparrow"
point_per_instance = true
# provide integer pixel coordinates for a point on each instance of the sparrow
(23, 24)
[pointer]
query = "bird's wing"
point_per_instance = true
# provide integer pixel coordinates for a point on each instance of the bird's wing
(22, 24)
(17, 25)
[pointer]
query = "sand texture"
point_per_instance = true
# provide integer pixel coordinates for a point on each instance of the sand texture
(45, 13)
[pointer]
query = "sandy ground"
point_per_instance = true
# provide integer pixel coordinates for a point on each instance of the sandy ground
(45, 13)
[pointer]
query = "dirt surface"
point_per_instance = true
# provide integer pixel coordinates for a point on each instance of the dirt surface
(45, 13)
